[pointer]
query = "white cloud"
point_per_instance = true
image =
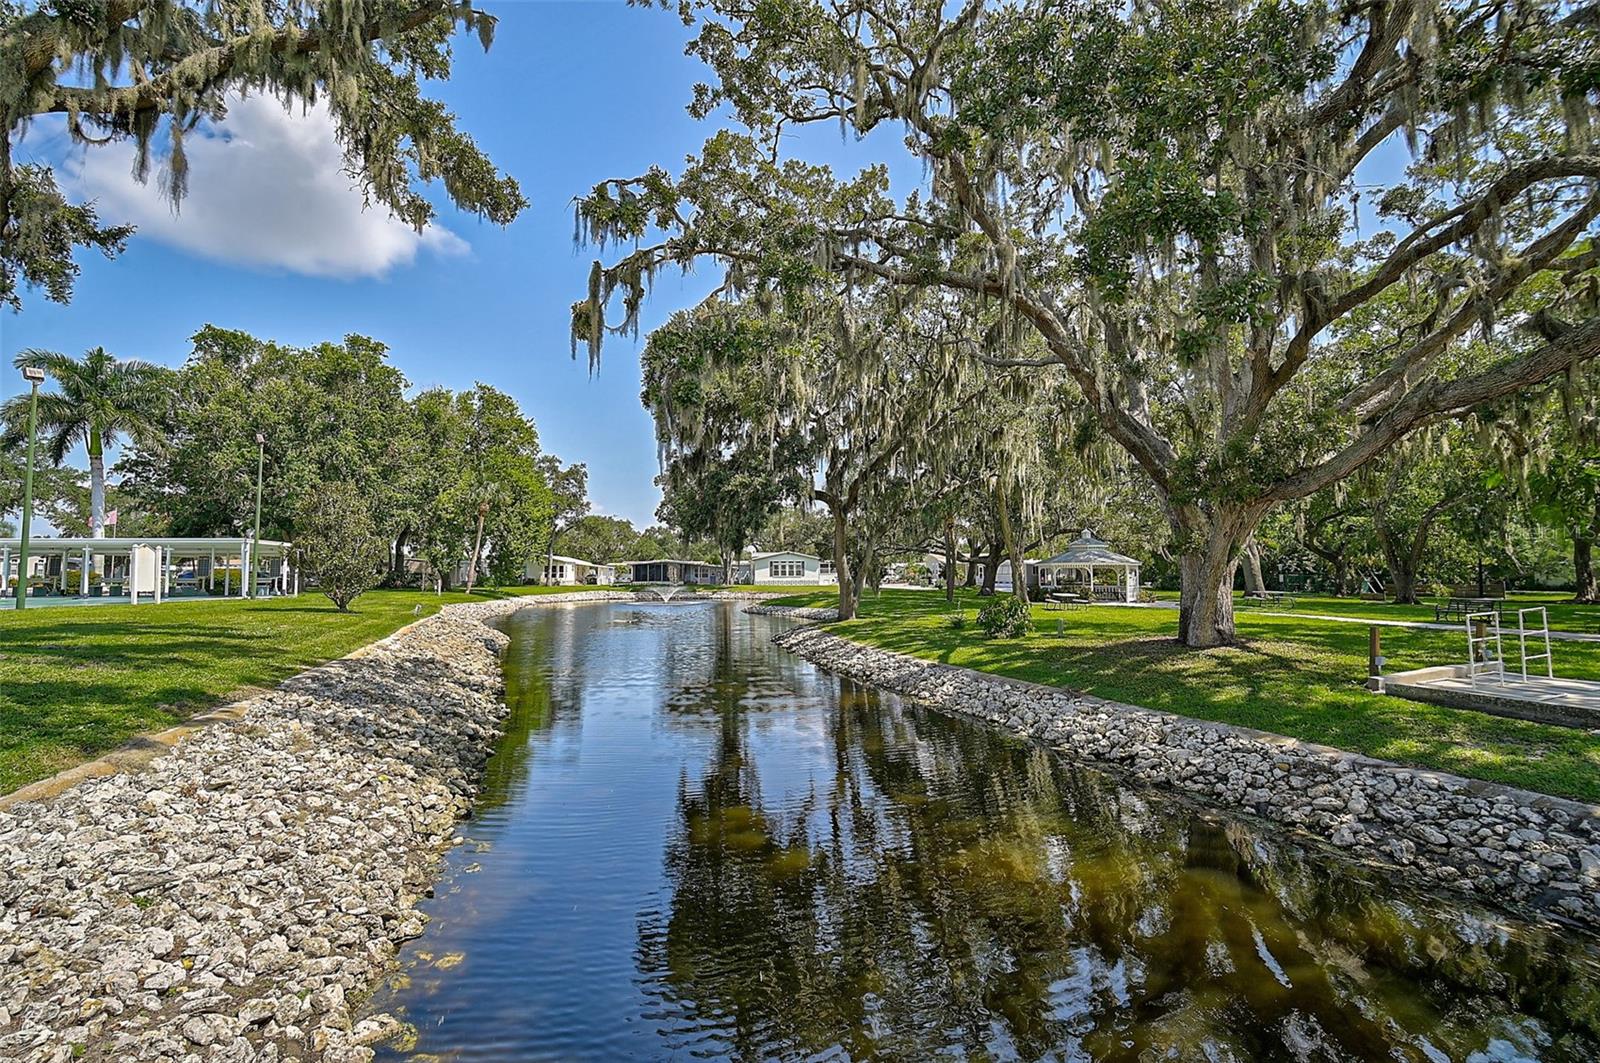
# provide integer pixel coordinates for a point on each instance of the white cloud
(266, 189)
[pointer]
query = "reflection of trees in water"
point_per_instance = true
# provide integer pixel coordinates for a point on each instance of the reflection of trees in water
(728, 663)
(544, 680)
(958, 893)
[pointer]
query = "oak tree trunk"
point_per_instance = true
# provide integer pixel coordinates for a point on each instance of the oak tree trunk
(991, 568)
(949, 561)
(397, 560)
(1404, 578)
(1019, 578)
(1250, 565)
(1212, 542)
(1587, 590)
(841, 565)
(477, 543)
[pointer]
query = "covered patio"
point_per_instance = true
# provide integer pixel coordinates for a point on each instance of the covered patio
(150, 569)
(1072, 573)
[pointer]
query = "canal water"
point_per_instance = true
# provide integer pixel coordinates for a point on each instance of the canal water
(693, 846)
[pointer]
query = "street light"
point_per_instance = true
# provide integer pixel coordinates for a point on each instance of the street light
(34, 376)
(255, 542)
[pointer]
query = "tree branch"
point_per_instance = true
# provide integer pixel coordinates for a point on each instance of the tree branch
(1442, 399)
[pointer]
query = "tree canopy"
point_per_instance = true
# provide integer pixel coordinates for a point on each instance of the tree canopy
(150, 70)
(338, 413)
(1175, 203)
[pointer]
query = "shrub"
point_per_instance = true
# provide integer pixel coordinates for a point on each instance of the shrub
(957, 621)
(1005, 616)
(340, 549)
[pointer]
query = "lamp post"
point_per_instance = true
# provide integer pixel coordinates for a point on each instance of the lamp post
(255, 541)
(34, 376)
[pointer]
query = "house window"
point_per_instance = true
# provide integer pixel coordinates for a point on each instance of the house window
(787, 569)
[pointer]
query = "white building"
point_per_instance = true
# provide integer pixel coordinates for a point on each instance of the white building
(672, 570)
(568, 571)
(1002, 573)
(148, 568)
(1075, 571)
(784, 568)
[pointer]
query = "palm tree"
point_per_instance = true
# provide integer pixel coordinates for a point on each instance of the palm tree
(98, 400)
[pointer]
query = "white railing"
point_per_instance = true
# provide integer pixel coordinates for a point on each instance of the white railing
(1485, 654)
(1542, 633)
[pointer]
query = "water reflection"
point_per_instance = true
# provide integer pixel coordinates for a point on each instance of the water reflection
(700, 848)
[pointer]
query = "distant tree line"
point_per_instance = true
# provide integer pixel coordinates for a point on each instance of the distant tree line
(435, 477)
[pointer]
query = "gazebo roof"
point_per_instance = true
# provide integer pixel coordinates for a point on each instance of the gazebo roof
(55, 544)
(1086, 551)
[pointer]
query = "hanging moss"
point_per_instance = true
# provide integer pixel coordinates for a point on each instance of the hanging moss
(123, 71)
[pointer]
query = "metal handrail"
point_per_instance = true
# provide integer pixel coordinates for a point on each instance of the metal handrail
(1489, 664)
(1544, 630)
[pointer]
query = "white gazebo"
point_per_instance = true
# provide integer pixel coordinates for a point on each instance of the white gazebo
(1075, 567)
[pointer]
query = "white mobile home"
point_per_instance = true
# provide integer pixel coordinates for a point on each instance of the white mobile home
(568, 571)
(672, 570)
(786, 569)
(1002, 574)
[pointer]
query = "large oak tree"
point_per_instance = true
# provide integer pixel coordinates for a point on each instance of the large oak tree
(1180, 199)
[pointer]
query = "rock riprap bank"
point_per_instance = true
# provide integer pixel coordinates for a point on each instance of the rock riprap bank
(228, 902)
(1508, 846)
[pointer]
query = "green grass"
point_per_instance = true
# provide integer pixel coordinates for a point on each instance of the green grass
(77, 681)
(1292, 675)
(1564, 615)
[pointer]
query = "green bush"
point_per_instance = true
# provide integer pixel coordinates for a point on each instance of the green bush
(1006, 616)
(957, 621)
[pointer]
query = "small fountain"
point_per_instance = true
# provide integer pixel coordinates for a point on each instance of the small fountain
(666, 593)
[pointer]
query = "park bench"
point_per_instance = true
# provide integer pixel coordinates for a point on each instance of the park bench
(1459, 607)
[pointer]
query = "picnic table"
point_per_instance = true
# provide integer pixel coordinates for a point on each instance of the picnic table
(1064, 600)
(1283, 599)
(1456, 607)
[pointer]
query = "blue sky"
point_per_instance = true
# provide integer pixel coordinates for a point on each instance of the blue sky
(274, 244)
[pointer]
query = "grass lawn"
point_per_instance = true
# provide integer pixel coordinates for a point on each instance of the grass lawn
(1564, 615)
(77, 681)
(1291, 675)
